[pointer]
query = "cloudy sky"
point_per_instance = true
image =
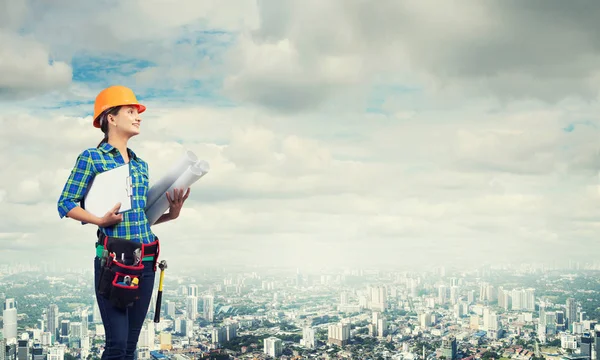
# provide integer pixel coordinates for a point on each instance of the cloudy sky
(409, 133)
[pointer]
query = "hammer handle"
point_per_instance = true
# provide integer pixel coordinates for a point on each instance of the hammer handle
(157, 310)
(159, 297)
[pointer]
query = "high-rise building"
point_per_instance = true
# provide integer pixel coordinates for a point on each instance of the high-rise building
(551, 322)
(171, 309)
(9, 316)
(486, 319)
(449, 348)
(568, 341)
(460, 309)
(487, 292)
(571, 312)
(529, 300)
(378, 298)
(471, 296)
(75, 330)
(454, 295)
(338, 334)
(209, 308)
(166, 340)
(84, 323)
(382, 327)
(231, 331)
(193, 290)
(503, 298)
(413, 286)
(65, 331)
(541, 329)
(96, 316)
(192, 307)
(586, 345)
(517, 299)
(46, 339)
(219, 335)
(37, 352)
(178, 327)
(187, 328)
(52, 318)
(523, 299)
(11, 350)
(273, 346)
(597, 343)
(442, 294)
(308, 337)
(2, 347)
(23, 349)
(56, 352)
(560, 321)
(146, 339)
(425, 319)
(343, 298)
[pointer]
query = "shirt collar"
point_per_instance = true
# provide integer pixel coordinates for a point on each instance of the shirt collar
(107, 148)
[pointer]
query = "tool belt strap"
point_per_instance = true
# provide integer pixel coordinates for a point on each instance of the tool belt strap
(150, 251)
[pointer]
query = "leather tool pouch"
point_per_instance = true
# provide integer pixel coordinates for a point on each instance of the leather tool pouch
(121, 269)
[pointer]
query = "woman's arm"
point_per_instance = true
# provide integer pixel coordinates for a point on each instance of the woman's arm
(163, 218)
(109, 219)
(76, 185)
(78, 213)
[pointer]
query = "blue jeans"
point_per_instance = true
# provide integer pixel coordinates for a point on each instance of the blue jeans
(122, 328)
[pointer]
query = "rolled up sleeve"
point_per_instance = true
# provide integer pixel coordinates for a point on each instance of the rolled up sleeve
(76, 184)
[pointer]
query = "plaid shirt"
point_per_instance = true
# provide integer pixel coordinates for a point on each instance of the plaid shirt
(93, 161)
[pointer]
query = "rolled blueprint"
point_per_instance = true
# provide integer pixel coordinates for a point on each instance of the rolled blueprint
(158, 190)
(190, 175)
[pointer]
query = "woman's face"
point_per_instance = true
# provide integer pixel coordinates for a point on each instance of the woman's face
(127, 122)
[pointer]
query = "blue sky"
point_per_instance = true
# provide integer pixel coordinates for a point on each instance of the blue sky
(334, 134)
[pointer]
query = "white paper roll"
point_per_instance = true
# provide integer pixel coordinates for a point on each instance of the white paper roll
(189, 176)
(158, 190)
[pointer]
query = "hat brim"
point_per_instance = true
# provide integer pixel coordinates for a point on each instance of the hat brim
(141, 109)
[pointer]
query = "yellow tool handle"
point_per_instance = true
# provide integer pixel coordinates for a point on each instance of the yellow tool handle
(160, 284)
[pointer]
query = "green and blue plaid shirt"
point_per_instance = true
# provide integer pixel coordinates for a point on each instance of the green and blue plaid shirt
(93, 161)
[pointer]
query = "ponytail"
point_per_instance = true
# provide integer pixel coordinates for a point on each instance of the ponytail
(103, 140)
(103, 119)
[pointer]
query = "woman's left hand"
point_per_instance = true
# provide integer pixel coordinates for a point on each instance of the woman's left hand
(176, 202)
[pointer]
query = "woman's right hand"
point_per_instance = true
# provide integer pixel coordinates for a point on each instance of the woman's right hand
(111, 217)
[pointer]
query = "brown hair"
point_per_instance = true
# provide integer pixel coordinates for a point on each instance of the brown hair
(103, 120)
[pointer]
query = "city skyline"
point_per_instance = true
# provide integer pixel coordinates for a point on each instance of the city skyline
(411, 134)
(486, 313)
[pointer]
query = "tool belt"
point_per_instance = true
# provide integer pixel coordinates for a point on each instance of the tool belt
(121, 269)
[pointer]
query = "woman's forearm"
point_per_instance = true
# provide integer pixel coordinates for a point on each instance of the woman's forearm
(164, 218)
(78, 213)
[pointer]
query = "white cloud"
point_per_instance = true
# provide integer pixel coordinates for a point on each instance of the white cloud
(439, 174)
(473, 47)
(26, 69)
(26, 65)
(281, 76)
(267, 184)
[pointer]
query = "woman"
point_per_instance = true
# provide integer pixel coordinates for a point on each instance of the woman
(117, 114)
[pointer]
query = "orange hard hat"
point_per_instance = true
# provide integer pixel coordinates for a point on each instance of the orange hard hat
(116, 95)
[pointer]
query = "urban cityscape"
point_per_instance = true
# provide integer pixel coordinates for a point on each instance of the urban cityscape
(369, 180)
(524, 312)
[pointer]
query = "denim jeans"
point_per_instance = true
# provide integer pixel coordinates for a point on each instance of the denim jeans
(122, 328)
